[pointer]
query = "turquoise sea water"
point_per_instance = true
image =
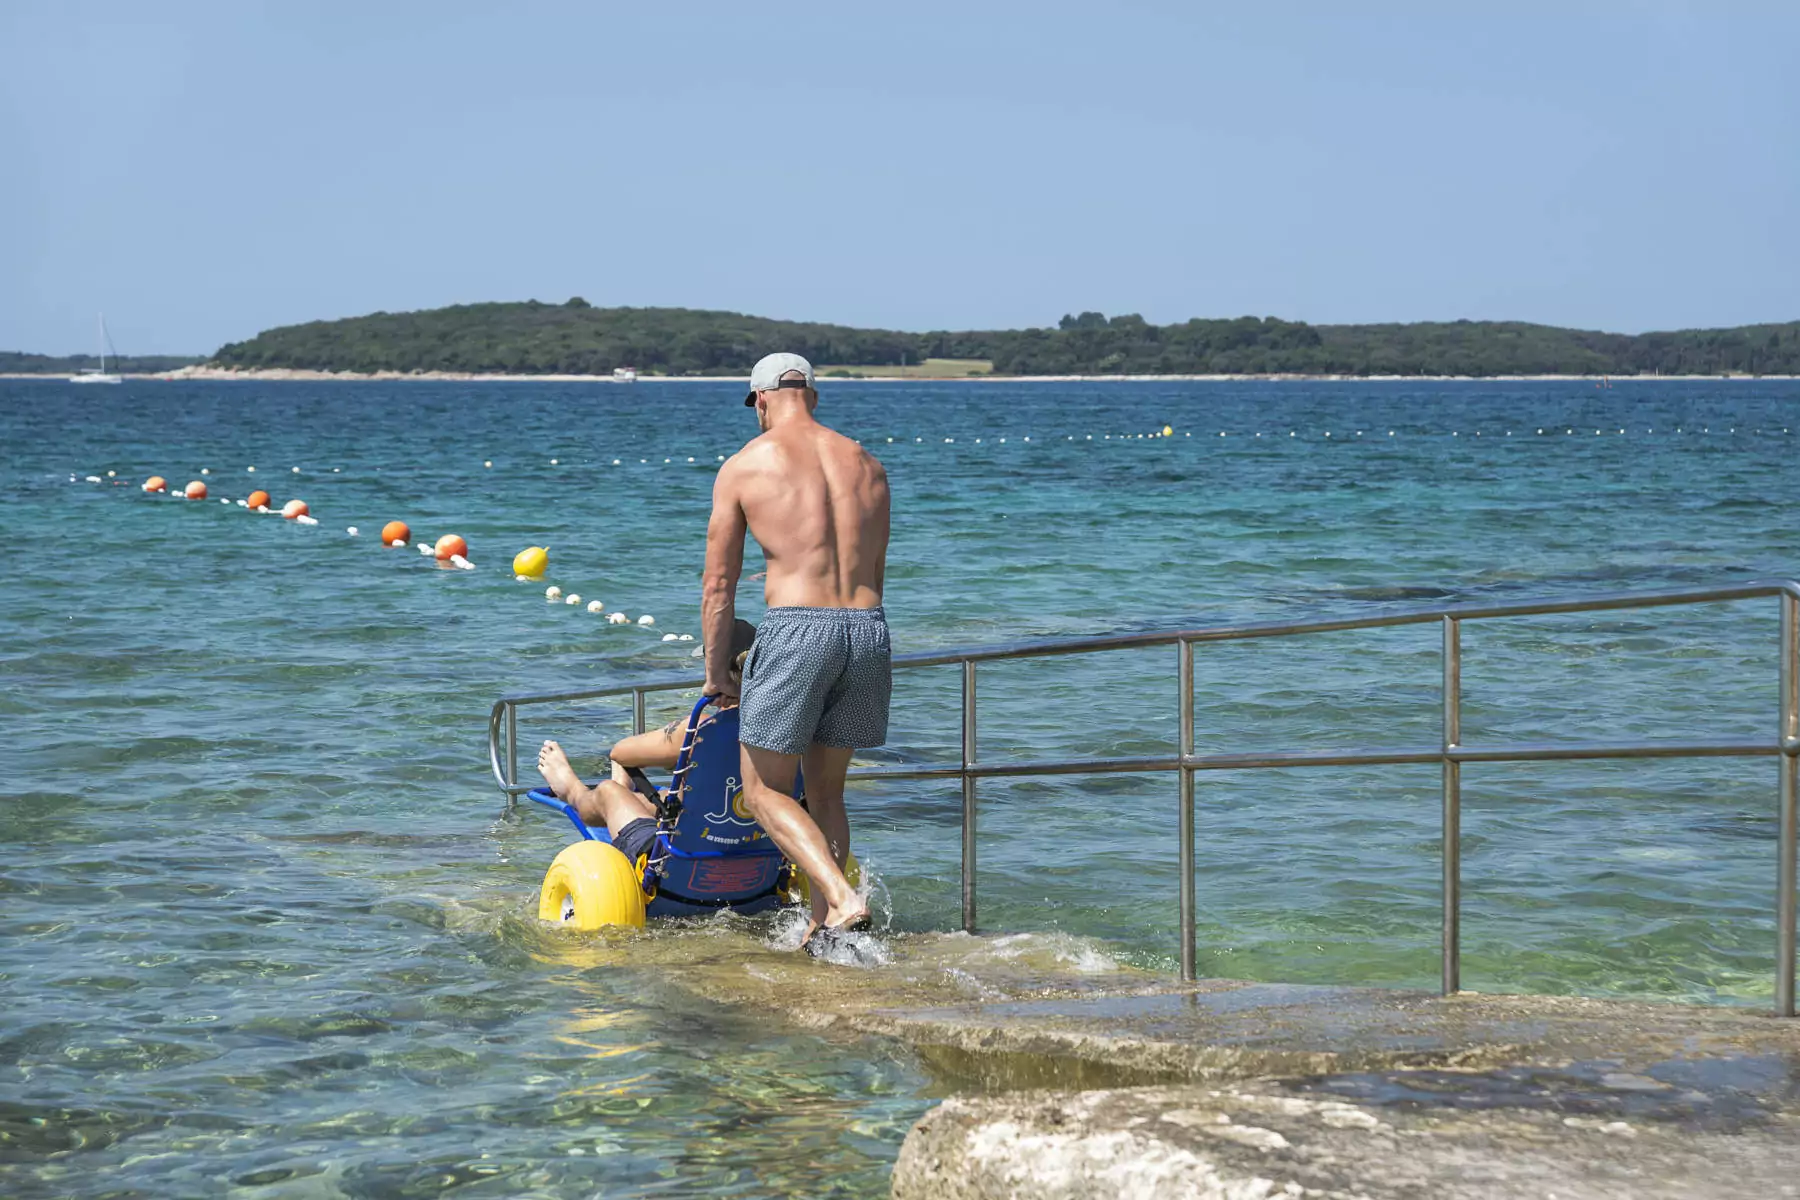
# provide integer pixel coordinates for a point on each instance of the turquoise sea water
(265, 932)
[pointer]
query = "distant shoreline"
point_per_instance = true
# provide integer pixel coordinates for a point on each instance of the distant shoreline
(293, 375)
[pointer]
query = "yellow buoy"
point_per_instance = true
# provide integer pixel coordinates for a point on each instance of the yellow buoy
(532, 562)
(1168, 431)
(590, 885)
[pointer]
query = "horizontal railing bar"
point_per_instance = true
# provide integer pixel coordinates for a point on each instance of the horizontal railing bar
(1604, 602)
(1517, 752)
(1559, 751)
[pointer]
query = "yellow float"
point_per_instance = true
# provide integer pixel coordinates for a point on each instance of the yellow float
(799, 890)
(590, 885)
(532, 562)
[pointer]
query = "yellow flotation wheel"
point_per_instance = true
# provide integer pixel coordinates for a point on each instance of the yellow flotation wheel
(799, 890)
(591, 885)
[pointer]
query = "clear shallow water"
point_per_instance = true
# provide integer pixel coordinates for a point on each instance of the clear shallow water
(264, 935)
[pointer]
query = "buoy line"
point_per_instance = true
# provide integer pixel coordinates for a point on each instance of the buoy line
(451, 549)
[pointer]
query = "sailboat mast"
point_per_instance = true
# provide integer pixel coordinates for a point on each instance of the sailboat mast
(103, 343)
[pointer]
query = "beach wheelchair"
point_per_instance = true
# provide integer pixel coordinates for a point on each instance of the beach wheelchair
(709, 853)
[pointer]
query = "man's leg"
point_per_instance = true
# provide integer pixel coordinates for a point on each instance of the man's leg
(609, 803)
(825, 768)
(767, 778)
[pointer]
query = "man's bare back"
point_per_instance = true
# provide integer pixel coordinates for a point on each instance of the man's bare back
(817, 504)
(817, 683)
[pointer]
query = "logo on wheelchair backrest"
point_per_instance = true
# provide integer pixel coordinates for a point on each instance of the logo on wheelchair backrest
(734, 811)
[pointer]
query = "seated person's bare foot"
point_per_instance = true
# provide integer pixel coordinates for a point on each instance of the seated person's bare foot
(554, 766)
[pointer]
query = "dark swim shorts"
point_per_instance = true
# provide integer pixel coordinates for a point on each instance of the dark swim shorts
(637, 837)
(817, 675)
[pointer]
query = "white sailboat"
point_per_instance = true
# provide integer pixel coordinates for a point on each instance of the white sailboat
(89, 374)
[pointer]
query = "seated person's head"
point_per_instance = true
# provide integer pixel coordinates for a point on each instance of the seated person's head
(743, 633)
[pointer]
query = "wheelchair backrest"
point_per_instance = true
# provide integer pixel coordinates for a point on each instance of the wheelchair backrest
(709, 788)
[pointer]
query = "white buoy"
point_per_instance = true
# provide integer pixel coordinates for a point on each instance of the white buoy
(252, 470)
(553, 462)
(553, 592)
(690, 460)
(572, 598)
(616, 462)
(306, 520)
(296, 470)
(204, 471)
(594, 606)
(686, 637)
(669, 637)
(351, 531)
(461, 563)
(223, 500)
(488, 463)
(617, 618)
(400, 542)
(110, 474)
(426, 550)
(243, 504)
(96, 479)
(646, 620)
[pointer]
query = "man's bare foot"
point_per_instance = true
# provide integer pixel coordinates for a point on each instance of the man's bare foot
(847, 915)
(553, 764)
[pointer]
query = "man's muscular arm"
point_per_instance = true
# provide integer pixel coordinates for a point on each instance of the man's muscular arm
(718, 591)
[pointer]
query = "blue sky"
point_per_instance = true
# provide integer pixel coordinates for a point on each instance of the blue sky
(204, 171)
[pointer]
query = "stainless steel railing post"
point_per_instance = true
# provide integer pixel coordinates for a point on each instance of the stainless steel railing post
(1188, 905)
(1452, 837)
(1790, 799)
(968, 795)
(512, 753)
(637, 710)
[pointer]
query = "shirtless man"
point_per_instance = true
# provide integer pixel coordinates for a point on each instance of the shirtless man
(817, 682)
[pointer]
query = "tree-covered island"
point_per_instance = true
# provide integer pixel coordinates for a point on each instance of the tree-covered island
(577, 338)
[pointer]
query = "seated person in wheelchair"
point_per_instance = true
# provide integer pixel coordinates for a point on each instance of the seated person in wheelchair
(619, 803)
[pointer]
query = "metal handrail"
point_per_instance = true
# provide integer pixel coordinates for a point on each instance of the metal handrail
(1450, 753)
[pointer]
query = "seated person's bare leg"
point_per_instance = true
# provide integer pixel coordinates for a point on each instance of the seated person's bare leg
(609, 803)
(796, 833)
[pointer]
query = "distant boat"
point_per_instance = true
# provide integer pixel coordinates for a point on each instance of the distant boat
(89, 374)
(624, 374)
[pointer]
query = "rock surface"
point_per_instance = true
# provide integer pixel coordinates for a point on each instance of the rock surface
(1252, 1142)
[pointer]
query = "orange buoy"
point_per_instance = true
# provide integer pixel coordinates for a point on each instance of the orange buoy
(156, 483)
(195, 490)
(294, 508)
(395, 531)
(449, 546)
(257, 500)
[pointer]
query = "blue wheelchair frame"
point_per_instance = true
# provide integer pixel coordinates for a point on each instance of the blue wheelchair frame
(709, 852)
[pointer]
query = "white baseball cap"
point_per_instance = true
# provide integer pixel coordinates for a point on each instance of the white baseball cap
(766, 375)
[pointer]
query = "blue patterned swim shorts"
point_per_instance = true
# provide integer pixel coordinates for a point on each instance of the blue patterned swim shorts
(821, 675)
